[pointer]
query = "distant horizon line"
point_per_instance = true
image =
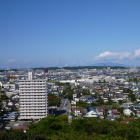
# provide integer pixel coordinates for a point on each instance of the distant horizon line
(69, 67)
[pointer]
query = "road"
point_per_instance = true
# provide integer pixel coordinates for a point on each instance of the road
(64, 108)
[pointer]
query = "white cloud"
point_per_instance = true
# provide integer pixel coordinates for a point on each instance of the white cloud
(112, 56)
(137, 53)
(11, 60)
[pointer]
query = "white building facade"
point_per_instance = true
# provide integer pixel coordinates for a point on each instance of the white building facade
(33, 98)
(91, 112)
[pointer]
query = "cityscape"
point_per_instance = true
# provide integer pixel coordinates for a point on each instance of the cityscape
(70, 70)
(102, 93)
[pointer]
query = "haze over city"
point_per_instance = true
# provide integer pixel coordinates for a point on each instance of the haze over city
(61, 33)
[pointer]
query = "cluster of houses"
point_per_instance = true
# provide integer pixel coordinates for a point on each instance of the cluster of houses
(111, 114)
(104, 83)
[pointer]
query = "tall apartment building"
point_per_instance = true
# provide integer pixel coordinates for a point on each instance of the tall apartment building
(33, 98)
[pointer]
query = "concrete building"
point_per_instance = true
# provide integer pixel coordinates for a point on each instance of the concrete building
(33, 98)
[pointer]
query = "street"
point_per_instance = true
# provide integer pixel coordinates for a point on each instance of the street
(64, 108)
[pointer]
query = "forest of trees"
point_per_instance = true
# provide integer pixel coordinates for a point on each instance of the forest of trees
(58, 128)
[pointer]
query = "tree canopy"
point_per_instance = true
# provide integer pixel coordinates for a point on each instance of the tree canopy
(58, 128)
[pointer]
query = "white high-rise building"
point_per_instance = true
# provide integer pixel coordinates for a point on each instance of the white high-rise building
(33, 98)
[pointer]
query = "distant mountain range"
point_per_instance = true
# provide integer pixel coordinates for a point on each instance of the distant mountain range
(111, 64)
(77, 67)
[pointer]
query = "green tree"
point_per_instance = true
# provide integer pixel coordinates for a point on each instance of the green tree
(135, 80)
(110, 102)
(99, 101)
(82, 104)
(86, 92)
(104, 81)
(69, 96)
(120, 101)
(96, 95)
(120, 109)
(3, 97)
(53, 100)
(13, 134)
(78, 94)
(57, 128)
(64, 92)
(132, 96)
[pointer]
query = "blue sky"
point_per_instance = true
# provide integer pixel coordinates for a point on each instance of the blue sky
(44, 33)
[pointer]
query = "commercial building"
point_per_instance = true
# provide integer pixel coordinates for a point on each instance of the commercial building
(33, 98)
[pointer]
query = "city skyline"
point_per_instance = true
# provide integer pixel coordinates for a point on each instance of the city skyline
(69, 33)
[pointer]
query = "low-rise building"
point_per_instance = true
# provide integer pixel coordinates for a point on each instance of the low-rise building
(91, 112)
(100, 112)
(128, 112)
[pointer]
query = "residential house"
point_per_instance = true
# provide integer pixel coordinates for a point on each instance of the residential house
(100, 112)
(77, 112)
(91, 112)
(76, 99)
(138, 113)
(114, 113)
(89, 100)
(128, 112)
(73, 102)
(83, 98)
(136, 107)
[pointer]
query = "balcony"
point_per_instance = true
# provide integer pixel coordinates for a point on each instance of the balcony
(31, 98)
(33, 112)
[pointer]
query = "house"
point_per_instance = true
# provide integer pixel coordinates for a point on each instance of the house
(9, 85)
(73, 102)
(128, 112)
(125, 95)
(11, 116)
(76, 99)
(74, 95)
(114, 113)
(138, 113)
(83, 98)
(89, 100)
(136, 107)
(105, 100)
(91, 112)
(100, 112)
(77, 112)
(93, 91)
(127, 105)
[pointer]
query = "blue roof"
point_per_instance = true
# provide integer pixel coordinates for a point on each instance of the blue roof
(91, 109)
(137, 106)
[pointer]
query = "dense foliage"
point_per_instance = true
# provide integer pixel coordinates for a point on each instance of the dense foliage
(3, 97)
(51, 128)
(53, 100)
